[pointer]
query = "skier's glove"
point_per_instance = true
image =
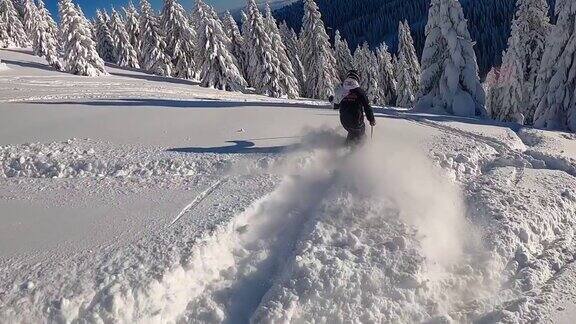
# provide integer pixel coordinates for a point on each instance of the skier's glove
(373, 123)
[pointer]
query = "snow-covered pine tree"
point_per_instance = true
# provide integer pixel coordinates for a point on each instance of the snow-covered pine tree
(493, 89)
(264, 73)
(218, 67)
(125, 54)
(288, 79)
(317, 56)
(43, 40)
(521, 61)
(344, 60)
(293, 50)
(236, 41)
(367, 67)
(197, 19)
(30, 16)
(408, 66)
(180, 39)
(133, 26)
(556, 91)
(12, 33)
(449, 81)
(78, 48)
(153, 57)
(104, 41)
(386, 79)
(47, 17)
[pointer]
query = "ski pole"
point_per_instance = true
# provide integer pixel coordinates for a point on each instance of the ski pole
(371, 132)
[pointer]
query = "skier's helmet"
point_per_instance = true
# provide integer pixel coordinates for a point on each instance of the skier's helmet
(353, 74)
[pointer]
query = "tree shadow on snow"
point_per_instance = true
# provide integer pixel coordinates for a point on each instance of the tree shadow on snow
(407, 115)
(239, 147)
(33, 65)
(142, 75)
(171, 103)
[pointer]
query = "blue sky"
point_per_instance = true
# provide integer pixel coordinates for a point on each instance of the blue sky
(89, 6)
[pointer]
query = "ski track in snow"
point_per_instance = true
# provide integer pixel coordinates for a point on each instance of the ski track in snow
(198, 199)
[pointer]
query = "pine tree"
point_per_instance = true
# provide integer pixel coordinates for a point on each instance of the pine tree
(236, 42)
(47, 17)
(367, 67)
(264, 72)
(387, 80)
(449, 81)
(30, 16)
(344, 60)
(217, 67)
(409, 68)
(180, 39)
(556, 92)
(43, 40)
(12, 33)
(133, 26)
(317, 56)
(152, 45)
(125, 54)
(198, 17)
(288, 79)
(493, 89)
(104, 41)
(78, 48)
(293, 50)
(521, 61)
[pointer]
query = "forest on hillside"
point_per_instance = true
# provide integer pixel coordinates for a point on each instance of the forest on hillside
(376, 21)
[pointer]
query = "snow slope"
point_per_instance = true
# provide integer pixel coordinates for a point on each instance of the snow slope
(134, 198)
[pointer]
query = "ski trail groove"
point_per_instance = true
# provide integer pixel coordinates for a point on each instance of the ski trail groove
(199, 198)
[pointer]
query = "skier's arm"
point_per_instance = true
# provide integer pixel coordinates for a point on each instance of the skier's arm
(367, 108)
(335, 105)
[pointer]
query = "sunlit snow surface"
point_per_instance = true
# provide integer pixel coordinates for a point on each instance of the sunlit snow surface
(135, 198)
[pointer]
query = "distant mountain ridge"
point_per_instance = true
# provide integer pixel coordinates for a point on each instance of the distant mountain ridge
(375, 21)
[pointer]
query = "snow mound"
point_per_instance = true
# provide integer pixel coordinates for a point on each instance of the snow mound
(81, 159)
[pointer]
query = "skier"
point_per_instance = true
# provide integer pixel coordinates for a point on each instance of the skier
(353, 103)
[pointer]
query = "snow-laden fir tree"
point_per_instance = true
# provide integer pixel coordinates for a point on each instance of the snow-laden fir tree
(47, 17)
(125, 54)
(236, 41)
(133, 25)
(367, 67)
(556, 84)
(386, 80)
(344, 60)
(180, 39)
(493, 89)
(78, 49)
(153, 57)
(197, 18)
(44, 42)
(12, 33)
(293, 50)
(264, 72)
(218, 67)
(288, 79)
(200, 10)
(30, 14)
(521, 61)
(317, 56)
(449, 81)
(408, 67)
(104, 41)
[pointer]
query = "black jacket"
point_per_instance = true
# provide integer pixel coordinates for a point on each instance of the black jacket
(352, 110)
